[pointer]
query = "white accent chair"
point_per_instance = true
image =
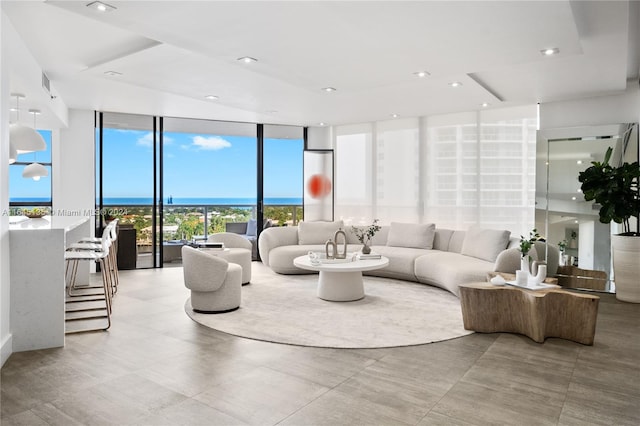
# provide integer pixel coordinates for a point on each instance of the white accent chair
(215, 283)
(239, 251)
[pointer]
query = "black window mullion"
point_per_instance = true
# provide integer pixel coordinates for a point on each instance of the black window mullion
(260, 171)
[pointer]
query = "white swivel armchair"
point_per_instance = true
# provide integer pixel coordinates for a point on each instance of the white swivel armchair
(239, 251)
(215, 283)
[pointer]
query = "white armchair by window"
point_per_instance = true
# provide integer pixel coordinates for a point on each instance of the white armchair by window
(215, 284)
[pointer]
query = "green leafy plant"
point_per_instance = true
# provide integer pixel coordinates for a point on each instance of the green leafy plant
(615, 189)
(364, 234)
(526, 244)
(562, 246)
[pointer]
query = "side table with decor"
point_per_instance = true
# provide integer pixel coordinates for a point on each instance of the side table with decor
(538, 314)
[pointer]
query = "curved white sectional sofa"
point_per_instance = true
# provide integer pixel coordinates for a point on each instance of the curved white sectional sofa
(417, 252)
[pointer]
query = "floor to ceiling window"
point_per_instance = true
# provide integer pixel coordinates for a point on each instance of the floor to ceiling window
(126, 175)
(282, 179)
(209, 179)
(454, 170)
(192, 177)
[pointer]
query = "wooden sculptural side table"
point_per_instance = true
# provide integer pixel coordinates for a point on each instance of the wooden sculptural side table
(537, 314)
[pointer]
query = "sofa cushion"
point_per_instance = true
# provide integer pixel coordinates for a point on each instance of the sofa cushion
(414, 235)
(252, 228)
(456, 241)
(317, 232)
(441, 239)
(485, 244)
(448, 270)
(401, 260)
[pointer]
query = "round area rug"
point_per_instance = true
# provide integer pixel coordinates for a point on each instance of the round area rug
(285, 309)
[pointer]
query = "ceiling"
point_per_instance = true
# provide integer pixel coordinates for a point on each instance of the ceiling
(171, 54)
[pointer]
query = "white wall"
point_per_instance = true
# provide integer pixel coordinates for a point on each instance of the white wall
(20, 72)
(5, 331)
(319, 138)
(73, 164)
(620, 108)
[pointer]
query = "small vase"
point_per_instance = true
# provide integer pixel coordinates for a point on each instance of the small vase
(524, 264)
(366, 249)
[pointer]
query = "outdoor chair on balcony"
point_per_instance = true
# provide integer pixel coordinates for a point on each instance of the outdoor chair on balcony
(215, 284)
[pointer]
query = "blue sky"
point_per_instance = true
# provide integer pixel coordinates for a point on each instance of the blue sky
(195, 165)
(200, 165)
(20, 187)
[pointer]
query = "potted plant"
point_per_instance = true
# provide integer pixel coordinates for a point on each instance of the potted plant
(526, 244)
(615, 189)
(574, 236)
(562, 246)
(364, 235)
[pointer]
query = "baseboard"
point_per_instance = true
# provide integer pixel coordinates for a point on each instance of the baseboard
(7, 349)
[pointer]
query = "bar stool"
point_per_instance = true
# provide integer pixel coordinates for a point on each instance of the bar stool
(95, 244)
(73, 258)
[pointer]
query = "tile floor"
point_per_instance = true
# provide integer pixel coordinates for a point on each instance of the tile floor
(157, 367)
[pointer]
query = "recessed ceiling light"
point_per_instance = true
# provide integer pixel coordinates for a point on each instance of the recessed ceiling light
(395, 115)
(550, 51)
(575, 221)
(579, 189)
(455, 84)
(579, 162)
(573, 198)
(34, 111)
(101, 7)
(247, 59)
(322, 124)
(13, 109)
(329, 89)
(485, 104)
(422, 73)
(112, 73)
(211, 97)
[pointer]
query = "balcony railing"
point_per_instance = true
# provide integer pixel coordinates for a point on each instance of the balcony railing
(188, 221)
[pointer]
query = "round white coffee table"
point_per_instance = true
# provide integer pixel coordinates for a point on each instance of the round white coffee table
(341, 282)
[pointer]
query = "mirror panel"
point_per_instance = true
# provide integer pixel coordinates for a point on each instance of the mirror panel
(561, 210)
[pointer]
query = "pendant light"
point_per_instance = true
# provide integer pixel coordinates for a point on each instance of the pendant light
(35, 170)
(13, 154)
(24, 138)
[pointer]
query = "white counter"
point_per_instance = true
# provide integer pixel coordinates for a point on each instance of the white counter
(37, 249)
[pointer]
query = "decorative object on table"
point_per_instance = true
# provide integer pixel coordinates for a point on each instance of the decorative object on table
(522, 277)
(616, 189)
(525, 247)
(562, 246)
(317, 258)
(364, 235)
(35, 213)
(330, 249)
(340, 254)
(538, 272)
(369, 256)
(498, 280)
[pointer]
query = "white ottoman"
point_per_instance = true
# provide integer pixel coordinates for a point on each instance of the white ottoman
(239, 256)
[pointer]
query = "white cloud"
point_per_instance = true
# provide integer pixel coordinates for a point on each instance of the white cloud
(147, 140)
(212, 143)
